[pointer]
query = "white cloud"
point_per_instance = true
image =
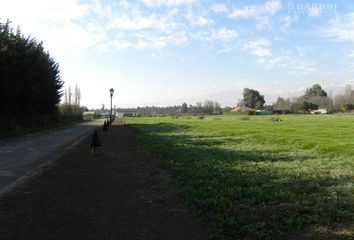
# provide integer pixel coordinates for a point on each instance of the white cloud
(199, 20)
(288, 20)
(269, 8)
(222, 34)
(303, 67)
(137, 22)
(349, 58)
(57, 11)
(123, 3)
(272, 6)
(168, 3)
(351, 55)
(149, 41)
(263, 22)
(293, 61)
(340, 28)
(219, 8)
(246, 12)
(314, 11)
(258, 47)
(225, 34)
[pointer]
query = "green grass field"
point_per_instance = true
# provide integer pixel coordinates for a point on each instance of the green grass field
(260, 179)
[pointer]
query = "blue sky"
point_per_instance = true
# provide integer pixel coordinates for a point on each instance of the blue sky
(162, 52)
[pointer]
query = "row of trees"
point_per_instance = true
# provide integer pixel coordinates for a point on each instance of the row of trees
(314, 98)
(72, 98)
(30, 81)
(206, 107)
(70, 109)
(317, 98)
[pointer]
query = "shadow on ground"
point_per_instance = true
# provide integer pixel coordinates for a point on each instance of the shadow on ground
(255, 193)
(120, 193)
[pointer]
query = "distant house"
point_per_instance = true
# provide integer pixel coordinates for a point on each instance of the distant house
(119, 114)
(88, 115)
(243, 109)
(319, 111)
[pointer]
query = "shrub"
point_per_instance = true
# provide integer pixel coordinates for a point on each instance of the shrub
(245, 118)
(276, 119)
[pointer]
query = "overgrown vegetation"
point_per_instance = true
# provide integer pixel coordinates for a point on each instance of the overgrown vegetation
(260, 179)
(71, 110)
(30, 82)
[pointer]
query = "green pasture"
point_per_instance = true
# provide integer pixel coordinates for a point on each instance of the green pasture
(254, 178)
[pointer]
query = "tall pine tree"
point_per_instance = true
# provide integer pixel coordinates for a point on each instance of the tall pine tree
(29, 79)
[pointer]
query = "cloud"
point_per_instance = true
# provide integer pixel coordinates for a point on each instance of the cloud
(246, 12)
(314, 11)
(150, 41)
(350, 55)
(288, 20)
(340, 28)
(263, 22)
(137, 22)
(349, 58)
(219, 8)
(225, 34)
(123, 3)
(222, 34)
(168, 3)
(258, 47)
(199, 20)
(269, 8)
(272, 6)
(293, 61)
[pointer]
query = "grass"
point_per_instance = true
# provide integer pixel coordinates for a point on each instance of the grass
(260, 179)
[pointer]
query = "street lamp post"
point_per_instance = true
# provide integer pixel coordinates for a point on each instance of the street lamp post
(111, 91)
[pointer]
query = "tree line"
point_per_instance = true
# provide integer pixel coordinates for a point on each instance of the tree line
(316, 98)
(30, 81)
(31, 86)
(70, 109)
(207, 107)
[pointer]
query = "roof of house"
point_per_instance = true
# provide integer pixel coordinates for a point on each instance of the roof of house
(242, 109)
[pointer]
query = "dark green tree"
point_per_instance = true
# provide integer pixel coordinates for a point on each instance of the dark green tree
(315, 91)
(29, 78)
(252, 99)
(348, 107)
(184, 108)
(309, 106)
